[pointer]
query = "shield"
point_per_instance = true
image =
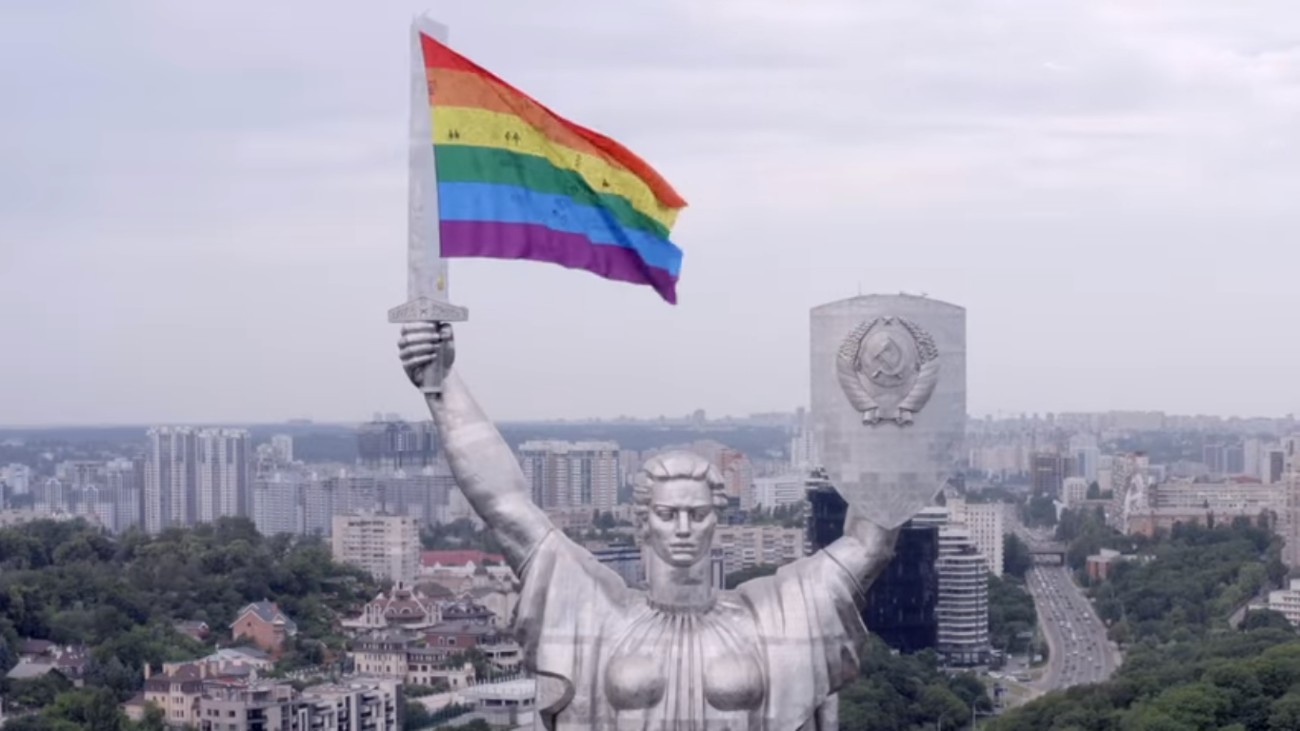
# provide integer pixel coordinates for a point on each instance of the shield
(889, 433)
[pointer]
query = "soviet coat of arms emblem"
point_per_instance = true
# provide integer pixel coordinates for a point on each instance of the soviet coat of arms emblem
(888, 368)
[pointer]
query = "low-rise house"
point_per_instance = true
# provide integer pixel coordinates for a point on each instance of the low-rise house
(234, 704)
(402, 608)
(37, 658)
(248, 707)
(508, 703)
(238, 661)
(502, 602)
(264, 624)
(404, 656)
(176, 691)
(195, 630)
(452, 638)
(359, 703)
(468, 611)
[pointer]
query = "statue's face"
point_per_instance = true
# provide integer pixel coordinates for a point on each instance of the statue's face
(680, 526)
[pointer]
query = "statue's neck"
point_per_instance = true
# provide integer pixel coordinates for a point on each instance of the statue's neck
(681, 589)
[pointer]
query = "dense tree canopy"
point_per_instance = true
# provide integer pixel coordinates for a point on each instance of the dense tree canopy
(903, 692)
(1011, 615)
(1016, 557)
(73, 584)
(1185, 669)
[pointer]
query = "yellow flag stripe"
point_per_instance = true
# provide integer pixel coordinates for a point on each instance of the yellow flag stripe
(482, 128)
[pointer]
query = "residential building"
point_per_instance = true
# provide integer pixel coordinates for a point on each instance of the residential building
(1287, 602)
(278, 503)
(18, 477)
(407, 658)
(779, 491)
(38, 658)
(249, 707)
(963, 606)
(282, 449)
(1087, 456)
(747, 546)
(223, 474)
(124, 490)
(264, 624)
(196, 630)
(1047, 472)
(510, 703)
(355, 704)
(387, 442)
(401, 608)
(984, 523)
(387, 546)
(1074, 491)
(170, 478)
(176, 692)
(572, 474)
(1289, 520)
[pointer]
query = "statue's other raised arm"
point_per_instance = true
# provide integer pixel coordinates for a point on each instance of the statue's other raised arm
(865, 549)
(483, 465)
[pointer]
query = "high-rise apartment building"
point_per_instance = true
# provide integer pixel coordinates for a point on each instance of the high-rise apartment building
(572, 474)
(224, 474)
(1288, 524)
(282, 448)
(984, 523)
(387, 546)
(170, 478)
(18, 477)
(1087, 456)
(124, 488)
(195, 476)
(388, 442)
(1074, 491)
(963, 607)
(277, 504)
(1047, 472)
(737, 476)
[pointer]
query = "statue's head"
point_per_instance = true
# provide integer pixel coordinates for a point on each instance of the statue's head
(677, 497)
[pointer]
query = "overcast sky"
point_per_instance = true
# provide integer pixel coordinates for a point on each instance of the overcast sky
(202, 204)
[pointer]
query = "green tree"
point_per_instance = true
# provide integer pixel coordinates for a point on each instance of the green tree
(942, 707)
(1017, 559)
(1039, 511)
(417, 716)
(92, 709)
(1265, 619)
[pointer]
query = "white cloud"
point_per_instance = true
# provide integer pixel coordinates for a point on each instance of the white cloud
(224, 183)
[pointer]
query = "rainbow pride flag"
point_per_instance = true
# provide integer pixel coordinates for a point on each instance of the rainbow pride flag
(517, 181)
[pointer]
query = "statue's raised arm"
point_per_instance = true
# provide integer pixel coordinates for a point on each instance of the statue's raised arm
(481, 461)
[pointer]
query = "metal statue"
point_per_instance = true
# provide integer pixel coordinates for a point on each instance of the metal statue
(679, 655)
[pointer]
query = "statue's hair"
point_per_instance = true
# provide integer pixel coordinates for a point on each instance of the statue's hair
(677, 465)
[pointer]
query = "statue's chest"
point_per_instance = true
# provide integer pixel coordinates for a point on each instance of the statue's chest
(685, 670)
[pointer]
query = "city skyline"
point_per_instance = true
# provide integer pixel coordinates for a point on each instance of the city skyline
(1101, 186)
(419, 416)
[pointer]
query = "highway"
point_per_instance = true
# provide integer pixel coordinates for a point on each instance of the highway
(1080, 652)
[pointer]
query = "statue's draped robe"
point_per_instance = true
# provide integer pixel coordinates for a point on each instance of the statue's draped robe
(769, 655)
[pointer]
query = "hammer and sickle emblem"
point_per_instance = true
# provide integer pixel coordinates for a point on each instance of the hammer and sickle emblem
(888, 359)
